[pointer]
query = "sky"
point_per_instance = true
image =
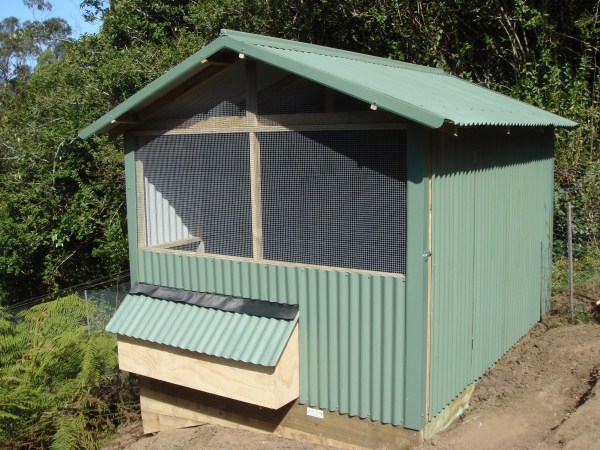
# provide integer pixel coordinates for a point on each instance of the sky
(66, 9)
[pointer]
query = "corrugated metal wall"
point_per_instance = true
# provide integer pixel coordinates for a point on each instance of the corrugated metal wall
(492, 212)
(351, 325)
(163, 224)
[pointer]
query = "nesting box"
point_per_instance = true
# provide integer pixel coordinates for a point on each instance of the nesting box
(325, 242)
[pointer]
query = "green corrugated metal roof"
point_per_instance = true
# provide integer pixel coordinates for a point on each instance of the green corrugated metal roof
(256, 340)
(422, 94)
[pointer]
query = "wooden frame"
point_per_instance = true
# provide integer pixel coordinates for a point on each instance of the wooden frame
(162, 248)
(166, 245)
(269, 387)
(140, 204)
(255, 183)
(253, 123)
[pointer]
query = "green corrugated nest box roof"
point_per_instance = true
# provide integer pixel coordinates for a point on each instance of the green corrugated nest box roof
(421, 94)
(241, 337)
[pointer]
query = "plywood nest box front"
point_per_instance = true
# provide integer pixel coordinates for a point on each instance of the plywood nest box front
(326, 244)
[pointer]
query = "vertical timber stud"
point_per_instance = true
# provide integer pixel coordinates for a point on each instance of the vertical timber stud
(431, 142)
(255, 183)
(141, 204)
(416, 306)
(130, 195)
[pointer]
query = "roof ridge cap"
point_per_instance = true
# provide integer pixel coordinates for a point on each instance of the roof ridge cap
(387, 62)
(305, 47)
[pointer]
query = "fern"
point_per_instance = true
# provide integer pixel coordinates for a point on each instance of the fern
(59, 386)
(72, 433)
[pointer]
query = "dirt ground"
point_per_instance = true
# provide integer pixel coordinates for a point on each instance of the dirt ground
(540, 395)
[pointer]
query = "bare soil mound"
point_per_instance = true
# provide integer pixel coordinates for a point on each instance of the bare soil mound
(524, 401)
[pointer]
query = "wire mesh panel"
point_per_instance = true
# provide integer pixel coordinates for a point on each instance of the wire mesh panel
(222, 96)
(335, 198)
(197, 186)
(283, 93)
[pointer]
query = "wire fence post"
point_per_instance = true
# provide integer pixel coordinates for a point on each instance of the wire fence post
(117, 295)
(570, 248)
(87, 312)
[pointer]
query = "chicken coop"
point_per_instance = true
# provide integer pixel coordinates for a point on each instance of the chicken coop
(326, 244)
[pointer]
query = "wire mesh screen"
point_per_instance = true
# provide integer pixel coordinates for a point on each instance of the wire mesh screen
(196, 189)
(283, 93)
(335, 198)
(221, 96)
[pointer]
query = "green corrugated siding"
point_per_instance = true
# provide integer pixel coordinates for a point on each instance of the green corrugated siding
(351, 325)
(452, 279)
(492, 209)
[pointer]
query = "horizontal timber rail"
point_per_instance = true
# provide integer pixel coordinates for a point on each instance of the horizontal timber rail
(276, 123)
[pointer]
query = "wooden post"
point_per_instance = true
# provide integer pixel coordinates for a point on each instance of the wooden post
(429, 279)
(417, 280)
(255, 184)
(570, 247)
(141, 203)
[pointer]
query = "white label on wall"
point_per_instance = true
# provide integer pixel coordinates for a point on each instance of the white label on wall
(314, 413)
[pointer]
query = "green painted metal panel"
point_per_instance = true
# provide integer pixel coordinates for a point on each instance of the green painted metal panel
(416, 275)
(130, 198)
(492, 209)
(351, 325)
(251, 339)
(546, 173)
(424, 95)
(452, 260)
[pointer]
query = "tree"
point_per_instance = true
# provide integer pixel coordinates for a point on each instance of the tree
(22, 43)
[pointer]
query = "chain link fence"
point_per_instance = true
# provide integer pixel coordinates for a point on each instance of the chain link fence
(105, 295)
(105, 299)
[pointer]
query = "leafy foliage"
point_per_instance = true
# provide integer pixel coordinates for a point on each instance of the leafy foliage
(60, 387)
(61, 205)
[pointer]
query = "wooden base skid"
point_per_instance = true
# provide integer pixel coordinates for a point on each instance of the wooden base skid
(166, 406)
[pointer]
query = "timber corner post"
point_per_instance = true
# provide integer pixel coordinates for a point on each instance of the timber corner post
(130, 194)
(416, 305)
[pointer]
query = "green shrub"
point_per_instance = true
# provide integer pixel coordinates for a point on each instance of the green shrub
(586, 270)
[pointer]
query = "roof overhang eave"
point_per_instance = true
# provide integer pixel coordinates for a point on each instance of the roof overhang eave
(191, 66)
(393, 105)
